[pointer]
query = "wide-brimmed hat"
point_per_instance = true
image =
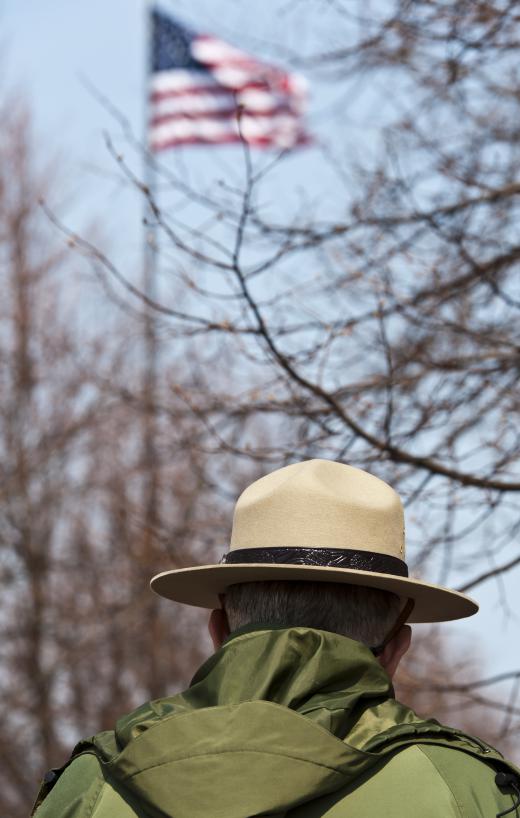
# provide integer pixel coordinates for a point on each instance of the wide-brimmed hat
(322, 521)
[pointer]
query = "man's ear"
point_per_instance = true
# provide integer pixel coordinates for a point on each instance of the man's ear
(395, 650)
(218, 627)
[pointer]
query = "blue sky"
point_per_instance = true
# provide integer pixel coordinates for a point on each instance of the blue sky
(51, 45)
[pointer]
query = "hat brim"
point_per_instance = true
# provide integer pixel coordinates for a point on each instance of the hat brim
(201, 586)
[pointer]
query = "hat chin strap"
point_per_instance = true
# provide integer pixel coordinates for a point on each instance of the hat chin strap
(401, 619)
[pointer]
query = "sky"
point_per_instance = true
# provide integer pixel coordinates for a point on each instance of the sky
(56, 48)
(53, 48)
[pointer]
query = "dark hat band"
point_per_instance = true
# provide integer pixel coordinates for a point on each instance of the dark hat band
(320, 558)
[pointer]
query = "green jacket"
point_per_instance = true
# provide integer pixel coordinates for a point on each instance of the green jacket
(280, 722)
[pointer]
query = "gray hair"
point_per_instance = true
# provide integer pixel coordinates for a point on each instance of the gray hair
(363, 614)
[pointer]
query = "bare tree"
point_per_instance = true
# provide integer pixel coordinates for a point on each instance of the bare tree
(386, 335)
(82, 638)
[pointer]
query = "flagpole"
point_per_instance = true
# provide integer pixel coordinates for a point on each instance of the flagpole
(150, 243)
(150, 266)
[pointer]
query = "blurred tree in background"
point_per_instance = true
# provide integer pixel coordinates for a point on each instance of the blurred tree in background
(78, 650)
(382, 331)
(380, 327)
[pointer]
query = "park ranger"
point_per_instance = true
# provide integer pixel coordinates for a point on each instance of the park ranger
(294, 714)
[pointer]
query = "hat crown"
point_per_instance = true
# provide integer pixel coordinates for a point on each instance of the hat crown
(320, 504)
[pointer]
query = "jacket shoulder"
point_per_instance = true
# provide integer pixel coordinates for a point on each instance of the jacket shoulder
(83, 791)
(425, 780)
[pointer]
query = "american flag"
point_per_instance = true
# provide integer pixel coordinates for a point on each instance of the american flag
(205, 91)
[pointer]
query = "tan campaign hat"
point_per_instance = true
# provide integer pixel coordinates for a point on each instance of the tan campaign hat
(322, 521)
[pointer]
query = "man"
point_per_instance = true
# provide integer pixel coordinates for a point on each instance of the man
(294, 714)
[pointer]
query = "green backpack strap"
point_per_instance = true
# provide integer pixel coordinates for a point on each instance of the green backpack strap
(103, 745)
(399, 737)
(431, 732)
(52, 776)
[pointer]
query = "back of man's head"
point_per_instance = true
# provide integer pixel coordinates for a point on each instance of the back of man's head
(363, 614)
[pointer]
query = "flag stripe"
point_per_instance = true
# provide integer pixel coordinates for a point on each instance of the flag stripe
(260, 142)
(214, 90)
(180, 80)
(211, 51)
(207, 104)
(208, 127)
(229, 114)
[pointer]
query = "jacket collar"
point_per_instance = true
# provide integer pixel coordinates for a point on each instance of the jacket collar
(334, 681)
(329, 678)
